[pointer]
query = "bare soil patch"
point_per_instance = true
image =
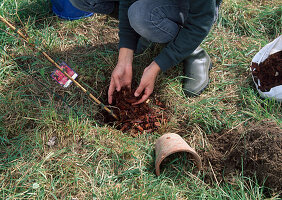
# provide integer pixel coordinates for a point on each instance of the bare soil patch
(256, 152)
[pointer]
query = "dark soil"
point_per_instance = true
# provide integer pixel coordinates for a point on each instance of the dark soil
(269, 72)
(256, 153)
(139, 118)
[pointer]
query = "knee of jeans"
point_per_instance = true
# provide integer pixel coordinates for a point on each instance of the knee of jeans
(139, 19)
(139, 16)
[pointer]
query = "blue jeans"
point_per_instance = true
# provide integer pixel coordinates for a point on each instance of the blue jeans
(156, 20)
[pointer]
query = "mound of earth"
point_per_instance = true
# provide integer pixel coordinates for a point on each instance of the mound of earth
(140, 118)
(257, 152)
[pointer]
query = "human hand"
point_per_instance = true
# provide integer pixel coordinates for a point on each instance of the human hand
(147, 82)
(122, 74)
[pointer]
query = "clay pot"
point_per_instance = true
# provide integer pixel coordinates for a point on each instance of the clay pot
(171, 143)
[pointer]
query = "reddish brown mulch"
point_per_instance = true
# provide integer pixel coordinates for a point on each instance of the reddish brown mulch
(269, 72)
(139, 118)
(256, 153)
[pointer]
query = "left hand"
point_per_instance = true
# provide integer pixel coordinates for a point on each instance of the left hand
(147, 82)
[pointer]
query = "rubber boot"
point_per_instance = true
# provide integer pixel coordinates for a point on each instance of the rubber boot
(196, 71)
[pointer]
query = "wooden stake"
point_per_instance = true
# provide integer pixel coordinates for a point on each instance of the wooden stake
(26, 38)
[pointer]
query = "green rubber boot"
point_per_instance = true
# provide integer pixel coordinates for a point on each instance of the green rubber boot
(196, 71)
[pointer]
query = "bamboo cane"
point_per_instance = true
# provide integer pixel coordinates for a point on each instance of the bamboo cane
(26, 38)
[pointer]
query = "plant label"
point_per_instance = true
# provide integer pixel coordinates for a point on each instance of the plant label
(61, 78)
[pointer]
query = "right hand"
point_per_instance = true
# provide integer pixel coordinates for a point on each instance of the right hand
(122, 74)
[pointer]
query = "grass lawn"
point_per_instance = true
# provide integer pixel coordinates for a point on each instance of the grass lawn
(237, 133)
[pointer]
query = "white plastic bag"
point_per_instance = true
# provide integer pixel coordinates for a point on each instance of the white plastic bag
(262, 55)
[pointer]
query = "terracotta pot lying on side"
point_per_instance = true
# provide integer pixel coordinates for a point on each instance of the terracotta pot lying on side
(171, 143)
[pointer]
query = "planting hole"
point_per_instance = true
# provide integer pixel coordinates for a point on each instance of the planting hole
(136, 119)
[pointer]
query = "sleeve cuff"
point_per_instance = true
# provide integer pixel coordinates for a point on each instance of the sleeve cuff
(127, 44)
(164, 61)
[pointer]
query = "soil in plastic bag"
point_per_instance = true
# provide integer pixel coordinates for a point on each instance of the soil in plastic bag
(268, 74)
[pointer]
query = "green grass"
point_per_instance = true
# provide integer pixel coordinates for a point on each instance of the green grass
(92, 160)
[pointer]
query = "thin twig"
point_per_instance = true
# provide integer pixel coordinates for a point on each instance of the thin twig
(27, 39)
(213, 174)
